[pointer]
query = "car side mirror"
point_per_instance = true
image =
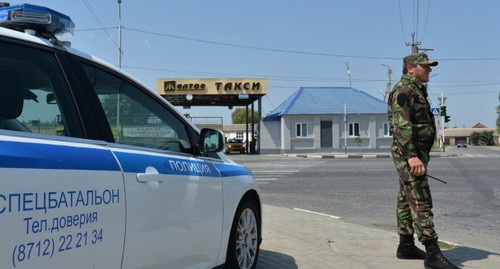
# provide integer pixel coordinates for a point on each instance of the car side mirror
(211, 140)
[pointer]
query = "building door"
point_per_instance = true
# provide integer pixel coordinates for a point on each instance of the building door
(326, 134)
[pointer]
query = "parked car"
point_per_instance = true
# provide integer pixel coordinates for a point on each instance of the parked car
(97, 171)
(235, 145)
(461, 144)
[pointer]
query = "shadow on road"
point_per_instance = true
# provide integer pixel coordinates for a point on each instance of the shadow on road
(272, 260)
(462, 254)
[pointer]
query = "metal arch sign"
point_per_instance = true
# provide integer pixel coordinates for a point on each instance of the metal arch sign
(220, 86)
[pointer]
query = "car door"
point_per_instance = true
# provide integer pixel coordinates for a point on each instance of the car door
(62, 198)
(174, 199)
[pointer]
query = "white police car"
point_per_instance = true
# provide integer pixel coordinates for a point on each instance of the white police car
(96, 171)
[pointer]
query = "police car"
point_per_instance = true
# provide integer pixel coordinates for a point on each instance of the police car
(97, 171)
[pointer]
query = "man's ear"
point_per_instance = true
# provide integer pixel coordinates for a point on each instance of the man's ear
(410, 68)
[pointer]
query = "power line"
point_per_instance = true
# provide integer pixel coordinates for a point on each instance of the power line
(416, 14)
(466, 93)
(277, 78)
(415, 43)
(401, 21)
(261, 48)
(281, 50)
(96, 18)
(312, 79)
(427, 18)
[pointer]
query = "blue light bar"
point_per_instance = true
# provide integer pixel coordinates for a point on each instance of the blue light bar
(44, 21)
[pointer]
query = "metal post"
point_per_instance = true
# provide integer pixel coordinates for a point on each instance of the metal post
(259, 104)
(246, 130)
(345, 129)
(118, 131)
(120, 34)
(442, 121)
(252, 143)
(389, 82)
(348, 73)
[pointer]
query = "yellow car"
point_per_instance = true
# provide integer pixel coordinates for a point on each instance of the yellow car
(235, 145)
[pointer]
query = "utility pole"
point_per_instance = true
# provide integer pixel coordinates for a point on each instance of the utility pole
(414, 45)
(118, 129)
(348, 74)
(120, 53)
(442, 101)
(389, 82)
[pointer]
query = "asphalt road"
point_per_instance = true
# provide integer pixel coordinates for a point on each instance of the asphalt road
(364, 190)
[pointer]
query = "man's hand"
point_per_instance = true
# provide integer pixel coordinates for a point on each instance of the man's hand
(417, 167)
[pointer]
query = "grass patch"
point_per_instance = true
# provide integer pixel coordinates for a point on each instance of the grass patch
(444, 245)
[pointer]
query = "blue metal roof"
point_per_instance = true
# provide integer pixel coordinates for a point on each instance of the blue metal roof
(328, 100)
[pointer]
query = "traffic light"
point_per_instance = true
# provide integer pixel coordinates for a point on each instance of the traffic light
(443, 111)
(443, 114)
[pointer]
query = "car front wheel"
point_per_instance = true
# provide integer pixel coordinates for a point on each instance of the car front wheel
(243, 247)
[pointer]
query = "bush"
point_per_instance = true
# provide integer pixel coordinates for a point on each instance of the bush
(484, 138)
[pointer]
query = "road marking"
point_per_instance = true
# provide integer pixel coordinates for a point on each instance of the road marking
(317, 213)
(266, 178)
(477, 155)
(275, 172)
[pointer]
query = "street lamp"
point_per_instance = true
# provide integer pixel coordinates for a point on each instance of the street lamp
(389, 83)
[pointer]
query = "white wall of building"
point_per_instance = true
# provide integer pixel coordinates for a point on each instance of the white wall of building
(281, 136)
(270, 137)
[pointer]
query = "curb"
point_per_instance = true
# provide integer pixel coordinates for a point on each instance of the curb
(339, 156)
(355, 156)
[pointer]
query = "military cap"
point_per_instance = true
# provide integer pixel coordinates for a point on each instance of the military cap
(418, 58)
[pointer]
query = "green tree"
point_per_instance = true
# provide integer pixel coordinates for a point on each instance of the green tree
(239, 116)
(498, 119)
(358, 140)
(484, 138)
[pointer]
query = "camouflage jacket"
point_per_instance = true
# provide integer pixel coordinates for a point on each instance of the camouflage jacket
(412, 123)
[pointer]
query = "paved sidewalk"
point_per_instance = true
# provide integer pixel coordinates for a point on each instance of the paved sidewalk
(295, 239)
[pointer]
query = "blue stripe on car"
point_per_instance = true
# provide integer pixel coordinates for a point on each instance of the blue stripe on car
(46, 156)
(49, 156)
(137, 163)
(232, 170)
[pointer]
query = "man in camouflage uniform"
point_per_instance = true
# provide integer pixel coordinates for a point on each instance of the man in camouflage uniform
(414, 130)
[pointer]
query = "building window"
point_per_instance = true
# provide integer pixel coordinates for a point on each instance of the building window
(354, 129)
(239, 135)
(387, 129)
(301, 129)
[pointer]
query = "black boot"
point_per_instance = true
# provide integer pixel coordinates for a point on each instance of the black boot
(434, 259)
(407, 249)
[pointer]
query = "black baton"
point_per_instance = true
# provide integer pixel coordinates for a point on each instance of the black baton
(440, 180)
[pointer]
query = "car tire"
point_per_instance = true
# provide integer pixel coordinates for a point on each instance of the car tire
(244, 240)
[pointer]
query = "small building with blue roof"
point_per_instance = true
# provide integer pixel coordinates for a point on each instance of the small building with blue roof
(328, 119)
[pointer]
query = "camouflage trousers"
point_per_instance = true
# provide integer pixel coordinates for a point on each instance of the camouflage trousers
(414, 204)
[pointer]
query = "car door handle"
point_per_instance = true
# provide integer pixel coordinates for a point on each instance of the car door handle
(144, 178)
(151, 175)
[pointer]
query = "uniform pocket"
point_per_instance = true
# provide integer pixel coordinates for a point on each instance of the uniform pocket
(423, 133)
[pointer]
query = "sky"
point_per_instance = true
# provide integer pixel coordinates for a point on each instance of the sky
(301, 43)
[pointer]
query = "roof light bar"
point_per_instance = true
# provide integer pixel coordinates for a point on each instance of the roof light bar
(44, 21)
